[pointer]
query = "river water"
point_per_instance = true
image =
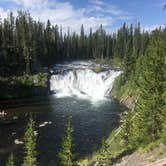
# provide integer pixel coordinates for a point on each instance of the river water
(92, 119)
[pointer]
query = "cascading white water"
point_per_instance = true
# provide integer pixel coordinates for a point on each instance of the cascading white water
(83, 82)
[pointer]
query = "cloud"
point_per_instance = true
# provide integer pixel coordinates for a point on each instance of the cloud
(101, 6)
(150, 28)
(96, 12)
(2, 13)
(96, 2)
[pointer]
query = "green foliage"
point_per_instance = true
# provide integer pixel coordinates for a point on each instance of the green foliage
(118, 88)
(112, 147)
(30, 158)
(102, 60)
(98, 69)
(104, 153)
(146, 123)
(149, 147)
(115, 62)
(39, 79)
(65, 153)
(149, 122)
(124, 88)
(10, 161)
(126, 128)
(34, 45)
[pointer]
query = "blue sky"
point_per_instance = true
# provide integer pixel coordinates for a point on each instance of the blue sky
(111, 13)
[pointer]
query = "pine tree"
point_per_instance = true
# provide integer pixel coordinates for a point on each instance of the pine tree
(30, 145)
(10, 161)
(65, 154)
(26, 44)
(82, 41)
(128, 57)
(150, 109)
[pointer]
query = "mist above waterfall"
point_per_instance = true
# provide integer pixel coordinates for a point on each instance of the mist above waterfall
(80, 79)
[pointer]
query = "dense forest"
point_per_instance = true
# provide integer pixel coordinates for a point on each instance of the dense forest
(26, 45)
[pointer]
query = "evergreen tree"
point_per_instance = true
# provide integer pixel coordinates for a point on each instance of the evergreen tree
(150, 110)
(10, 161)
(26, 45)
(128, 57)
(30, 145)
(65, 154)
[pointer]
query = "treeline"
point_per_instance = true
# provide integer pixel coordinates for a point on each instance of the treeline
(27, 45)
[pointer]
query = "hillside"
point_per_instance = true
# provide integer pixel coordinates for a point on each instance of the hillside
(155, 157)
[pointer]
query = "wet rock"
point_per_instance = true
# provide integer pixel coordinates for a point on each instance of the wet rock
(45, 124)
(35, 133)
(13, 133)
(18, 142)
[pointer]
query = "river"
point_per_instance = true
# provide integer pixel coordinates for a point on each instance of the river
(93, 116)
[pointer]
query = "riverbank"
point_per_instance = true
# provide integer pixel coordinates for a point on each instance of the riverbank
(125, 92)
(114, 153)
(19, 87)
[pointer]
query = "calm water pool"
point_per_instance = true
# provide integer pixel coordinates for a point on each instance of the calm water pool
(91, 121)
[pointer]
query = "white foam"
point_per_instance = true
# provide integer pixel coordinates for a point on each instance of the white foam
(83, 83)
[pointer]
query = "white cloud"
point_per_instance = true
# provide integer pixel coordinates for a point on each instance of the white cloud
(14, 1)
(150, 28)
(93, 15)
(96, 2)
(114, 10)
(2, 13)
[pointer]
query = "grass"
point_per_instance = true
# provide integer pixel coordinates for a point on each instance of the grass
(149, 147)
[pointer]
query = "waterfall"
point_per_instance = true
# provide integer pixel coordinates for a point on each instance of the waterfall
(83, 82)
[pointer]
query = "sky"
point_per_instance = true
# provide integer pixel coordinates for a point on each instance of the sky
(91, 13)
